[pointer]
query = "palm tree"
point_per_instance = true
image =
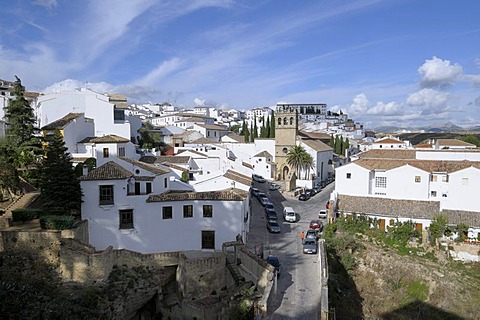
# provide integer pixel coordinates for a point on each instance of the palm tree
(307, 162)
(297, 158)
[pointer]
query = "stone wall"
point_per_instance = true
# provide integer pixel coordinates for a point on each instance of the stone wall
(134, 259)
(79, 231)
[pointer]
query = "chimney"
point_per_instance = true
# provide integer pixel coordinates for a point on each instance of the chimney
(85, 170)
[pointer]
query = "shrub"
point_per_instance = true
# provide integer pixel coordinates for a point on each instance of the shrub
(437, 227)
(25, 214)
(57, 222)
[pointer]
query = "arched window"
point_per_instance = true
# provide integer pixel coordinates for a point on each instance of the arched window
(279, 121)
(285, 121)
(291, 120)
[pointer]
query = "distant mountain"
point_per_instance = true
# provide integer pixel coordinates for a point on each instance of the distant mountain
(438, 127)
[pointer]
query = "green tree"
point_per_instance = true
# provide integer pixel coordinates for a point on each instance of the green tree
(235, 128)
(346, 145)
(332, 142)
(244, 128)
(255, 129)
(437, 227)
(9, 180)
(271, 133)
(59, 185)
(299, 159)
(267, 129)
(471, 139)
(247, 134)
(20, 117)
(252, 136)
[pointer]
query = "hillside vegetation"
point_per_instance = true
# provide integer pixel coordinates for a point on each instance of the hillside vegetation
(377, 277)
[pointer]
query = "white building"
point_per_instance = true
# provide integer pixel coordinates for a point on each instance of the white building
(211, 131)
(109, 115)
(145, 208)
(411, 185)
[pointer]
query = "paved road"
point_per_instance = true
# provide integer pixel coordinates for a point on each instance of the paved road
(297, 294)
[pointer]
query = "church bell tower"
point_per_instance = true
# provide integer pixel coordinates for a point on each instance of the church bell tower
(286, 128)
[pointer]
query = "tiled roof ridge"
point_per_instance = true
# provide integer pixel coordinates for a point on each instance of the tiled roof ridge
(146, 166)
(108, 171)
(62, 122)
(232, 194)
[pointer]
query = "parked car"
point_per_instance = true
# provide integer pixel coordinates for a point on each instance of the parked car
(269, 206)
(317, 189)
(303, 197)
(311, 234)
(271, 215)
(273, 187)
(310, 192)
(261, 195)
(264, 201)
(289, 214)
(316, 225)
(254, 191)
(275, 262)
(258, 178)
(273, 226)
(322, 214)
(310, 246)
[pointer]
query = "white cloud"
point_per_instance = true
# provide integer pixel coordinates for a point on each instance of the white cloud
(199, 102)
(439, 73)
(161, 71)
(49, 4)
(360, 104)
(474, 79)
(428, 97)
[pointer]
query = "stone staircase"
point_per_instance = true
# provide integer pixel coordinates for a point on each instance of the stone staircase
(233, 269)
(23, 202)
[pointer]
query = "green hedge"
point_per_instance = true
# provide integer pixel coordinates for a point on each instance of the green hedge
(25, 214)
(57, 222)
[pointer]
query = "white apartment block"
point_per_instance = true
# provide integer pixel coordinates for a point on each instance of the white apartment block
(146, 208)
(411, 185)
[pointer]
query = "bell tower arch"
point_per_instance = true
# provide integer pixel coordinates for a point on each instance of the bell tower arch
(286, 129)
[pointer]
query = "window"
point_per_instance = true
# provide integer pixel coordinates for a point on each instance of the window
(291, 120)
(148, 187)
(349, 175)
(465, 181)
(208, 239)
(121, 151)
(106, 195)
(165, 182)
(433, 178)
(444, 195)
(418, 179)
(433, 193)
(188, 211)
(137, 188)
(380, 182)
(105, 152)
(392, 222)
(445, 178)
(279, 121)
(167, 213)
(126, 219)
(207, 211)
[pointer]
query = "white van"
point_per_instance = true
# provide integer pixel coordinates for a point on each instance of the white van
(289, 214)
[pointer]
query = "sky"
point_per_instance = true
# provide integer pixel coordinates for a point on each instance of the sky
(395, 62)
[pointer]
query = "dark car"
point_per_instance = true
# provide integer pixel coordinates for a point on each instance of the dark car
(264, 201)
(310, 246)
(317, 189)
(303, 197)
(254, 191)
(275, 262)
(258, 178)
(310, 192)
(273, 226)
(261, 195)
(269, 206)
(271, 215)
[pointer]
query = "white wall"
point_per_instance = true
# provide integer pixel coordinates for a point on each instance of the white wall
(462, 194)
(357, 185)
(401, 183)
(448, 155)
(53, 106)
(77, 130)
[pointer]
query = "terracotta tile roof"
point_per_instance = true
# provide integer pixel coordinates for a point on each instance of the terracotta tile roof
(317, 145)
(108, 171)
(204, 141)
(174, 166)
(119, 100)
(470, 218)
(263, 154)
(423, 145)
(389, 140)
(425, 165)
(145, 166)
(221, 195)
(163, 159)
(314, 135)
(454, 143)
(389, 207)
(62, 122)
(248, 165)
(183, 114)
(238, 177)
(388, 154)
(236, 137)
(111, 138)
(190, 119)
(212, 127)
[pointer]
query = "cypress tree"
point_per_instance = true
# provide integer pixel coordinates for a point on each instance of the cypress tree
(247, 134)
(252, 137)
(255, 129)
(267, 129)
(61, 192)
(271, 133)
(332, 142)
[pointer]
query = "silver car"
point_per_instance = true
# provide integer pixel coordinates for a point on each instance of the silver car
(310, 246)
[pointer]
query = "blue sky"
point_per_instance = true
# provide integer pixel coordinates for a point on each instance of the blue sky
(392, 62)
